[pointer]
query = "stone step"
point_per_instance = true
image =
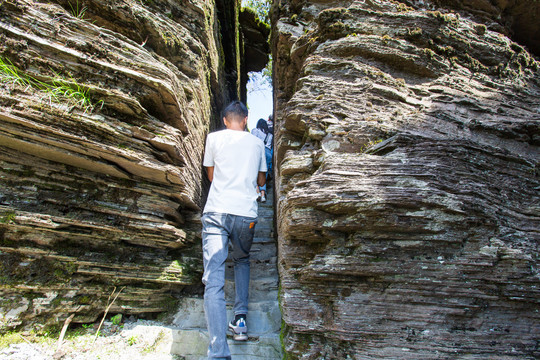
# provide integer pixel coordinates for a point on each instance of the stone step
(265, 212)
(192, 345)
(258, 269)
(263, 251)
(267, 220)
(265, 231)
(260, 289)
(263, 240)
(264, 224)
(264, 317)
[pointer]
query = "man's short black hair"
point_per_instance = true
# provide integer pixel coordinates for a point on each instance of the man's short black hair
(236, 109)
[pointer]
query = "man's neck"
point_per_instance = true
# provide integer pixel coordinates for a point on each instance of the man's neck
(235, 124)
(235, 127)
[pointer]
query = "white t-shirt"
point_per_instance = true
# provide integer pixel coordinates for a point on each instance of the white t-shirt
(237, 158)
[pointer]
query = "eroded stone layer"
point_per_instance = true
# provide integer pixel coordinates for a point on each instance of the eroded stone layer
(408, 184)
(104, 106)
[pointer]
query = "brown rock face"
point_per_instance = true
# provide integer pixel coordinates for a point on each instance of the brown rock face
(517, 18)
(407, 184)
(104, 107)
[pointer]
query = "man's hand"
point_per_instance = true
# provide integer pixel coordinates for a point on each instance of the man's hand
(210, 173)
(261, 179)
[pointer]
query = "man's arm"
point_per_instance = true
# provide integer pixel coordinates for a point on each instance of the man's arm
(261, 179)
(210, 173)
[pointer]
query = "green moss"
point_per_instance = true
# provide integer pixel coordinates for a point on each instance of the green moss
(404, 8)
(414, 32)
(52, 331)
(169, 306)
(17, 269)
(480, 29)
(9, 338)
(445, 18)
(8, 217)
(282, 335)
(83, 300)
(429, 53)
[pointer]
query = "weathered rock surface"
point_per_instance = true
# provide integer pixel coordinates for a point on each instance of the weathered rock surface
(104, 107)
(407, 148)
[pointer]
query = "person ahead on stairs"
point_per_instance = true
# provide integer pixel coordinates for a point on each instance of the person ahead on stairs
(263, 132)
(236, 164)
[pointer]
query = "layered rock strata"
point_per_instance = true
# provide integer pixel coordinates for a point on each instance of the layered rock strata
(408, 208)
(104, 107)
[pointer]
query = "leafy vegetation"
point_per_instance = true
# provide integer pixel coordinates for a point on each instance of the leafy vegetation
(261, 8)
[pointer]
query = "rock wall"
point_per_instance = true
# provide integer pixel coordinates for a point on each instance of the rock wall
(104, 107)
(407, 148)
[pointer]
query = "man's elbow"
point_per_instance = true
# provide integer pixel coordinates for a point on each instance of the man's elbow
(261, 180)
(210, 173)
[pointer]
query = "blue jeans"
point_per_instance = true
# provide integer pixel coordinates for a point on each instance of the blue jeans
(218, 229)
(268, 153)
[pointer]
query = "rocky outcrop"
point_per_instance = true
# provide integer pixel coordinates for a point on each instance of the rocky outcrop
(407, 183)
(255, 36)
(104, 107)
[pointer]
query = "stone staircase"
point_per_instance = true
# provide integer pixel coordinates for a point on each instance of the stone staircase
(190, 338)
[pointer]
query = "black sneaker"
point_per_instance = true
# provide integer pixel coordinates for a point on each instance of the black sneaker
(239, 329)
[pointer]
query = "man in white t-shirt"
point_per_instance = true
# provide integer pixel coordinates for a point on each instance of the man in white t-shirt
(236, 164)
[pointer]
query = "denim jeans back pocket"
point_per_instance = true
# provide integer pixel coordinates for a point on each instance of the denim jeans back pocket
(246, 231)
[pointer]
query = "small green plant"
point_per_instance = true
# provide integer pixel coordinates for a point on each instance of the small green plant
(116, 319)
(132, 340)
(371, 143)
(77, 10)
(10, 73)
(57, 89)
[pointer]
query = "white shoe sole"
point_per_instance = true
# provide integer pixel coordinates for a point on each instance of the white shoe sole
(238, 337)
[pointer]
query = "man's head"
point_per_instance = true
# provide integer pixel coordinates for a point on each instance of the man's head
(235, 116)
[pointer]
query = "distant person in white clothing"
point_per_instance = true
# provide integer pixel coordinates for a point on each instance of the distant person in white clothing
(236, 165)
(263, 133)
